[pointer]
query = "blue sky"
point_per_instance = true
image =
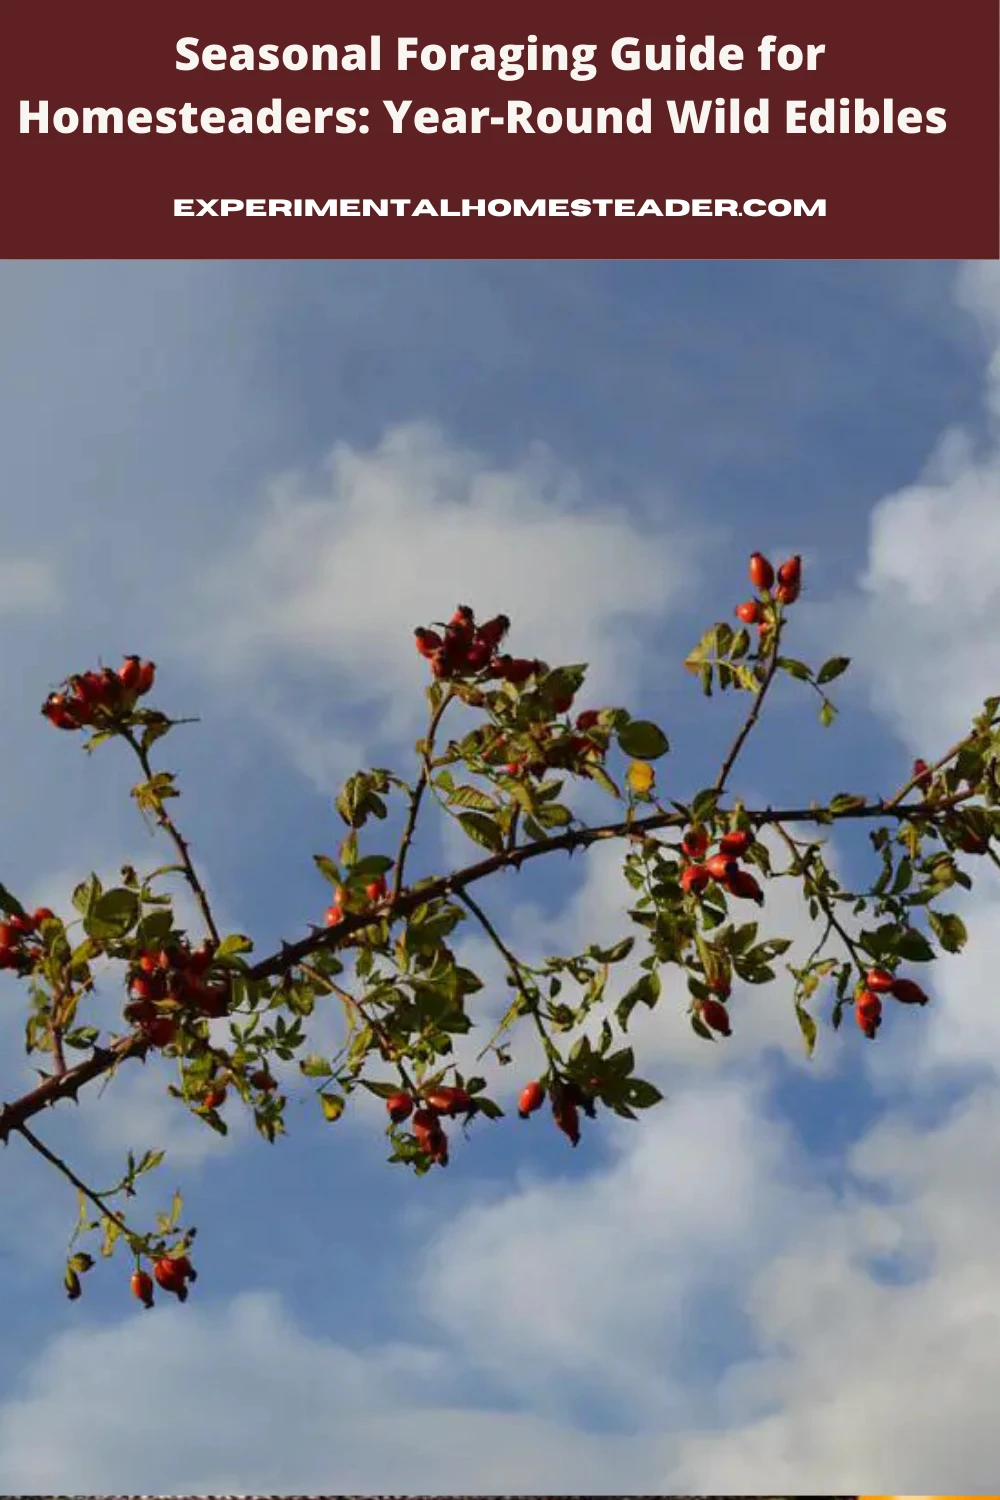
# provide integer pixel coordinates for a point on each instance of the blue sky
(263, 476)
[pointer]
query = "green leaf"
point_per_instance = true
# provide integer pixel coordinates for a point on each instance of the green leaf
(845, 803)
(797, 669)
(832, 669)
(641, 739)
(82, 1037)
(157, 725)
(554, 815)
(739, 939)
(912, 945)
(722, 638)
(357, 800)
(234, 944)
(561, 682)
(333, 1106)
(807, 1026)
(598, 774)
(10, 905)
(86, 894)
(111, 1233)
(771, 948)
(700, 1029)
(949, 930)
(482, 830)
(469, 796)
(645, 991)
(154, 927)
(827, 713)
(112, 915)
(371, 866)
(327, 868)
(613, 955)
(380, 1090)
(704, 805)
(621, 1062)
(642, 1095)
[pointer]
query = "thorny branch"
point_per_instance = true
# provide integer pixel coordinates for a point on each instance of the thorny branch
(291, 955)
(402, 903)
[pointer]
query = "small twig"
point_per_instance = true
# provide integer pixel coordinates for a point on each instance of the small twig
(70, 1175)
(516, 972)
(938, 765)
(56, 1038)
(418, 794)
(510, 959)
(180, 843)
(826, 905)
(375, 1026)
(746, 729)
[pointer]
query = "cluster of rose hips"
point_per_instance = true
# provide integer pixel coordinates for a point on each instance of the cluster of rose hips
(425, 1114)
(461, 648)
(567, 1099)
(868, 1002)
(376, 890)
(19, 940)
(170, 1272)
(722, 867)
(90, 699)
(427, 1111)
(762, 576)
(171, 979)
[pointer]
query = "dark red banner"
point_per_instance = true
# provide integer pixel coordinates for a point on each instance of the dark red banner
(736, 130)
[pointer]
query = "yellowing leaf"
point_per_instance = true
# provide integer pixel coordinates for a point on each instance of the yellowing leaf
(640, 777)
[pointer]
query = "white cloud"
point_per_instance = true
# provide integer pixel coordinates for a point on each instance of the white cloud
(269, 1408)
(859, 1377)
(926, 642)
(864, 1384)
(336, 581)
(924, 626)
(573, 1285)
(594, 1293)
(856, 1382)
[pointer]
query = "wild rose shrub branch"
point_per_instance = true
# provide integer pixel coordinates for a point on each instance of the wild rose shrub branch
(700, 871)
